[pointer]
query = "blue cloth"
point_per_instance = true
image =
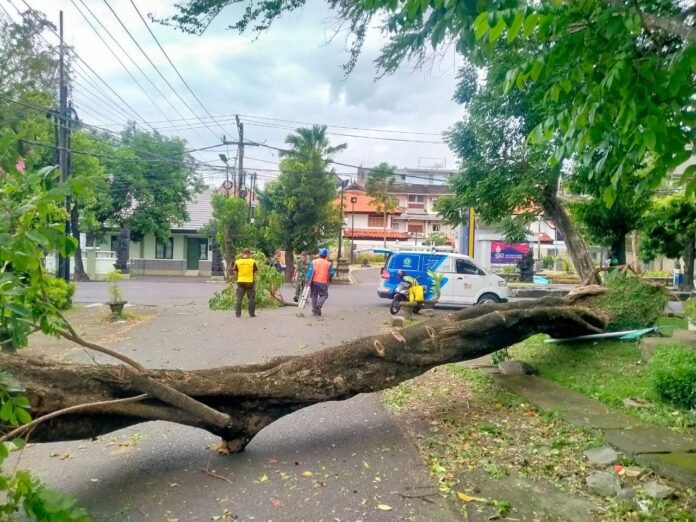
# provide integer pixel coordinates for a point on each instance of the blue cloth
(310, 271)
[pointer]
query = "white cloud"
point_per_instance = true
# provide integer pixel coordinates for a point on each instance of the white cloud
(291, 72)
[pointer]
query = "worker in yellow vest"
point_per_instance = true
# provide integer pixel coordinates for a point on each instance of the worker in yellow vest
(245, 269)
(320, 273)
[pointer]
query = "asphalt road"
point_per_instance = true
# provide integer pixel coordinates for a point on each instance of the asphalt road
(339, 461)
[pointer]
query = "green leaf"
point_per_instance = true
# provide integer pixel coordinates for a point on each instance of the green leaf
(515, 27)
(609, 196)
(649, 138)
(6, 411)
(529, 25)
(481, 25)
(23, 416)
(497, 30)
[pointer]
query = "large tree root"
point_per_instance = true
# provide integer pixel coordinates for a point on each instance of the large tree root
(253, 396)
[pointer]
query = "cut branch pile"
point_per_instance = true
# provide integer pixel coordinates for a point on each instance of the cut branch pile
(236, 402)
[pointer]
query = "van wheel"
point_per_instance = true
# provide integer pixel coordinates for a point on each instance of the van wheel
(488, 299)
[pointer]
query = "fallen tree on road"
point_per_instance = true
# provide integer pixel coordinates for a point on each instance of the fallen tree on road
(75, 401)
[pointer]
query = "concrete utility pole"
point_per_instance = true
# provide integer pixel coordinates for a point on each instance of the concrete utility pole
(240, 154)
(63, 266)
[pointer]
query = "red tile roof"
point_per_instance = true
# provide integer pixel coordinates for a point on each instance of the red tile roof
(374, 233)
(362, 206)
(545, 238)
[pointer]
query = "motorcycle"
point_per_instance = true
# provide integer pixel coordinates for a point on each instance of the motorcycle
(402, 293)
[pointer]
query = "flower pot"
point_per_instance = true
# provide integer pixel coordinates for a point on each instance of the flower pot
(117, 306)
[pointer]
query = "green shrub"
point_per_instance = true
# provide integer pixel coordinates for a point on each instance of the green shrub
(673, 375)
(267, 280)
(630, 303)
(690, 308)
(59, 292)
(370, 258)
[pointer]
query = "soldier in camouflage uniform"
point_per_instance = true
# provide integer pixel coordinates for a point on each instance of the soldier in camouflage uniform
(301, 267)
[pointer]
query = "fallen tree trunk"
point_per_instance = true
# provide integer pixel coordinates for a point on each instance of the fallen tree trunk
(255, 395)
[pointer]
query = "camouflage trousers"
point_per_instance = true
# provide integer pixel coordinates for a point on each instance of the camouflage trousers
(299, 284)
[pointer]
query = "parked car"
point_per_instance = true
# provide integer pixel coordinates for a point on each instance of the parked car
(464, 282)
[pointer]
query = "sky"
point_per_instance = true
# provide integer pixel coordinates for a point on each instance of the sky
(277, 81)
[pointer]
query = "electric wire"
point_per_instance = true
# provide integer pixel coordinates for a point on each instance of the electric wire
(176, 70)
(147, 57)
(34, 13)
(130, 58)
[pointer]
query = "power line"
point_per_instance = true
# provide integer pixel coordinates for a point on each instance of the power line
(33, 12)
(226, 117)
(176, 93)
(149, 30)
(131, 60)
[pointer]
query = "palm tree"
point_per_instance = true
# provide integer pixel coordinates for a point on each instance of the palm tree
(308, 142)
(380, 185)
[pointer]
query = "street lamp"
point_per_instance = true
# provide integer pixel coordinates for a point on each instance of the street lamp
(353, 201)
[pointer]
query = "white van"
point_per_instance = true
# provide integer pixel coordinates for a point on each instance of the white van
(464, 282)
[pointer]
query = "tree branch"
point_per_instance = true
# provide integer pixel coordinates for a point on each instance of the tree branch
(72, 409)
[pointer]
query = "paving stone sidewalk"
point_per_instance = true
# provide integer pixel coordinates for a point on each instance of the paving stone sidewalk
(671, 454)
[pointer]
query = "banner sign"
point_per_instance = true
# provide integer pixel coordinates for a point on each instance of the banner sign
(505, 253)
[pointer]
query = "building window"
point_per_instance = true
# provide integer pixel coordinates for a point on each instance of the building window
(375, 221)
(416, 201)
(203, 255)
(395, 225)
(165, 250)
(114, 243)
(415, 227)
(436, 227)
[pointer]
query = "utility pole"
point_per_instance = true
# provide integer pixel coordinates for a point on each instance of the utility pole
(344, 182)
(240, 154)
(63, 270)
(252, 188)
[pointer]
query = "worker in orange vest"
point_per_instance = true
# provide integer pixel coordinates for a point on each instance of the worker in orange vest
(320, 273)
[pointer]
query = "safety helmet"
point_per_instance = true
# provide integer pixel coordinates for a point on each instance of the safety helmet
(323, 252)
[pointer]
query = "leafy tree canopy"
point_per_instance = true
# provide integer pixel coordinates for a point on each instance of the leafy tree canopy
(625, 68)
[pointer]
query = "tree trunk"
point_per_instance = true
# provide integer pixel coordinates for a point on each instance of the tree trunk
(229, 251)
(123, 250)
(79, 273)
(574, 243)
(289, 263)
(688, 279)
(216, 267)
(256, 395)
(618, 250)
(634, 249)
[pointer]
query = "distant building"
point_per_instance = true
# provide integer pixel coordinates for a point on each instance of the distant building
(413, 176)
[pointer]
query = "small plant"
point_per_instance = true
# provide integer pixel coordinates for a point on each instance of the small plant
(59, 292)
(673, 374)
(114, 290)
(690, 312)
(500, 356)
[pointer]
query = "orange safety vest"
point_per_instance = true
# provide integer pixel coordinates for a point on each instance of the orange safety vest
(320, 272)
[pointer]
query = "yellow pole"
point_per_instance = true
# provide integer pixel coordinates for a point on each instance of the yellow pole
(472, 227)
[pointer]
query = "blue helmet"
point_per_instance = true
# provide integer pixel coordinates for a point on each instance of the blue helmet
(324, 252)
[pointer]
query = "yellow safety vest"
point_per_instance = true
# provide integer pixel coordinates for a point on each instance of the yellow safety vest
(245, 270)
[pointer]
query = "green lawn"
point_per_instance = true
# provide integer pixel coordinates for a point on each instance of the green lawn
(610, 371)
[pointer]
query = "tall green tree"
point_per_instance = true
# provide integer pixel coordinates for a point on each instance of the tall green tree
(603, 225)
(623, 68)
(300, 203)
(380, 187)
(309, 143)
(233, 231)
(152, 180)
(669, 229)
(508, 180)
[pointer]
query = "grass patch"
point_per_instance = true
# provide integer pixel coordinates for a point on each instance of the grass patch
(609, 371)
(466, 427)
(674, 322)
